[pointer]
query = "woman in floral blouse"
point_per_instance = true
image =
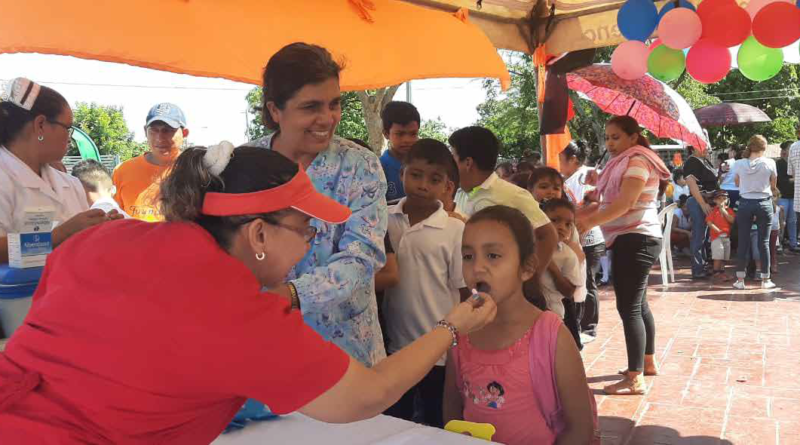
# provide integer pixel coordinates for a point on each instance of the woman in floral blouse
(335, 280)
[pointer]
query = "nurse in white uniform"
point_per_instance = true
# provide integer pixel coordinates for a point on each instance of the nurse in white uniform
(35, 130)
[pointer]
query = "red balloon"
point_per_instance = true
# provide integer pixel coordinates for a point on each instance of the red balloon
(707, 5)
(777, 25)
(730, 31)
(654, 45)
(708, 62)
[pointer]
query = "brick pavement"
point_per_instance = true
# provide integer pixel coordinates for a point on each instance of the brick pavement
(730, 364)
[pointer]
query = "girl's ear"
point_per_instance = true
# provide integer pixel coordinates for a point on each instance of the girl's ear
(528, 268)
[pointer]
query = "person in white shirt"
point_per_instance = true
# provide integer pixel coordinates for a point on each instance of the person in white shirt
(427, 242)
(35, 130)
(679, 185)
(757, 177)
(98, 186)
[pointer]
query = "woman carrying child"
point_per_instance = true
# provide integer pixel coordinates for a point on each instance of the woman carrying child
(490, 374)
(628, 214)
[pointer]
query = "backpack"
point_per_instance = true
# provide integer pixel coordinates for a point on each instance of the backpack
(543, 379)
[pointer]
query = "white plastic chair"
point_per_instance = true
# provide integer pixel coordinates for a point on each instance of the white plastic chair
(665, 217)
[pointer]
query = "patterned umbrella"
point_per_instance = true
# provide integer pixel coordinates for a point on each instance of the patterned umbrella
(721, 115)
(652, 103)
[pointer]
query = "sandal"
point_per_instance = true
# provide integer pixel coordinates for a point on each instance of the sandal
(626, 387)
(720, 276)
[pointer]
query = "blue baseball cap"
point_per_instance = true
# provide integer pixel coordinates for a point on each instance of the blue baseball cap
(168, 113)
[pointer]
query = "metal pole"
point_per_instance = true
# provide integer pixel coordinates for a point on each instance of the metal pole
(408, 92)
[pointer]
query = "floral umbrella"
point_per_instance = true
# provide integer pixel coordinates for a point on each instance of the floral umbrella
(656, 106)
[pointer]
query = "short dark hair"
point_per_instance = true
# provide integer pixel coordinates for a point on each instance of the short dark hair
(525, 166)
(557, 203)
(520, 179)
(540, 173)
(49, 103)
(677, 174)
(452, 173)
(431, 151)
(509, 167)
(360, 142)
(93, 175)
(251, 169)
(290, 69)
(477, 143)
(401, 113)
(786, 145)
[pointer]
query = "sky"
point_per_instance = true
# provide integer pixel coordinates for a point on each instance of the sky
(215, 108)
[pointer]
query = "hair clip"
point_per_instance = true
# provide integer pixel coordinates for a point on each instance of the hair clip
(21, 92)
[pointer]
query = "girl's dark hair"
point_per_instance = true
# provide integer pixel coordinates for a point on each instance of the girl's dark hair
(49, 104)
(497, 386)
(576, 149)
(251, 169)
(677, 174)
(507, 166)
(557, 203)
(540, 173)
(629, 126)
(520, 179)
(522, 231)
(290, 69)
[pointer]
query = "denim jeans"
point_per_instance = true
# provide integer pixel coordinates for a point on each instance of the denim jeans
(761, 210)
(591, 314)
(698, 241)
(791, 219)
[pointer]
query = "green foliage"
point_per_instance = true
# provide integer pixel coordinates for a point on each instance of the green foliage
(513, 115)
(107, 128)
(435, 129)
(352, 124)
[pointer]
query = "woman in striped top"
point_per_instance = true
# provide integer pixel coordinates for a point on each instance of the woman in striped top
(628, 190)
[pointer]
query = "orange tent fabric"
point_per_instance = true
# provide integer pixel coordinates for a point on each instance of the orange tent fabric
(555, 144)
(381, 42)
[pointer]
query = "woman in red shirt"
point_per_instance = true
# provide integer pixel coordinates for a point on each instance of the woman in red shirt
(158, 332)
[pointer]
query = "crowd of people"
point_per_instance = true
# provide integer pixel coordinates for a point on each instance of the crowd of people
(301, 272)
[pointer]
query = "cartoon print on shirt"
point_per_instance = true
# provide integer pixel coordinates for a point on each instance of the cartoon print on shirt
(495, 396)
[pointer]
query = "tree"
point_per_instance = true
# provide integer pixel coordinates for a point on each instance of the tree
(434, 129)
(372, 103)
(255, 126)
(107, 128)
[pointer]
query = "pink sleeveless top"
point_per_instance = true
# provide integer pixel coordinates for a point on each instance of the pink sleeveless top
(496, 387)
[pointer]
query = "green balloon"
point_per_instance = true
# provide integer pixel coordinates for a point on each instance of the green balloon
(757, 62)
(665, 63)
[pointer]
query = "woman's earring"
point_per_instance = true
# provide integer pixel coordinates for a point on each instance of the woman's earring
(41, 138)
(261, 256)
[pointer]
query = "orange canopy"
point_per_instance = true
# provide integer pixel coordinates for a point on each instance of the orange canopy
(382, 42)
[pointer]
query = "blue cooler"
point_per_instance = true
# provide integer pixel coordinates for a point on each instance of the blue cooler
(16, 294)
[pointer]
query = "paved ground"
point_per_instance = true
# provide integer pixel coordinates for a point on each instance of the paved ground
(730, 364)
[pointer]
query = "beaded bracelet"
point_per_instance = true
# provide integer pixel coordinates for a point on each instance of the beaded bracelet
(453, 331)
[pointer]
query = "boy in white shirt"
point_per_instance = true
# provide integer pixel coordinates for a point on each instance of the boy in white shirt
(427, 242)
(98, 186)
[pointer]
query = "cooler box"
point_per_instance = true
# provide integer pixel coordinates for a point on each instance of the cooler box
(16, 294)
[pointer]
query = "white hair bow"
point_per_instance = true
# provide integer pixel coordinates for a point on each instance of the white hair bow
(217, 157)
(21, 92)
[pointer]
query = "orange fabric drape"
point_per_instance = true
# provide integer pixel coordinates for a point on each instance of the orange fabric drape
(381, 42)
(556, 143)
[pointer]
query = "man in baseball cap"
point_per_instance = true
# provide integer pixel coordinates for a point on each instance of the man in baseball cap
(137, 180)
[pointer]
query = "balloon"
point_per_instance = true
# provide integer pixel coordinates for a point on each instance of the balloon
(708, 62)
(637, 19)
(727, 32)
(658, 42)
(756, 5)
(707, 5)
(629, 60)
(757, 62)
(680, 28)
(665, 63)
(777, 25)
(669, 6)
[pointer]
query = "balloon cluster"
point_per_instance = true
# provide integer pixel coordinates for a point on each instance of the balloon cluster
(697, 39)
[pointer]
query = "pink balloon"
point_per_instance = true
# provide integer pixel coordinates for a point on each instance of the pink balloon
(629, 60)
(708, 62)
(680, 28)
(755, 5)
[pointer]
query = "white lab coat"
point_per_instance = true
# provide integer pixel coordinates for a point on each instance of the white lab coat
(21, 188)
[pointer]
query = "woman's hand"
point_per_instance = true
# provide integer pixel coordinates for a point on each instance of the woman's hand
(584, 224)
(77, 223)
(704, 205)
(591, 177)
(472, 315)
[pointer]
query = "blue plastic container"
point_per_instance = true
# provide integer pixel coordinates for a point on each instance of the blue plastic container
(16, 292)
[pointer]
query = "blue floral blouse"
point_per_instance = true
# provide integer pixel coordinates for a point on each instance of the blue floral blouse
(335, 281)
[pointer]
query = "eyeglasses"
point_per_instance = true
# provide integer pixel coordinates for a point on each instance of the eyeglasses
(308, 233)
(70, 129)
